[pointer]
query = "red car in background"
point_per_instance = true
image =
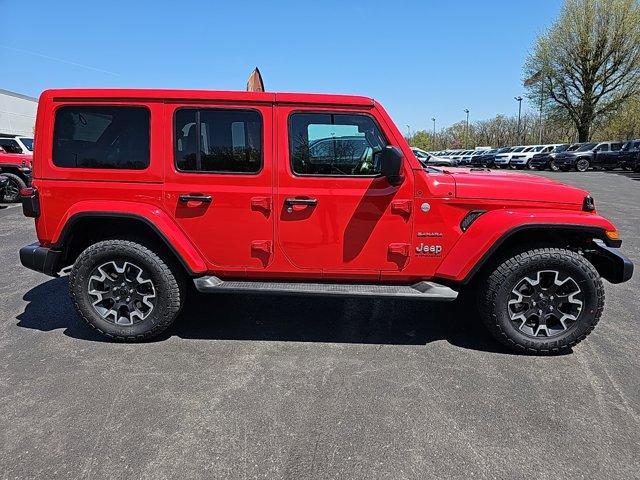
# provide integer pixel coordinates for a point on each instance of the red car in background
(16, 167)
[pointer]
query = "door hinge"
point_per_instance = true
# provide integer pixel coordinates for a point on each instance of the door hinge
(261, 246)
(401, 207)
(401, 249)
(261, 203)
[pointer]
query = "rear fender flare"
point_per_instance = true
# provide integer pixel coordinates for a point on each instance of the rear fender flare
(155, 218)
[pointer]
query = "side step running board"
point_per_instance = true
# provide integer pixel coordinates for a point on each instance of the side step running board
(425, 290)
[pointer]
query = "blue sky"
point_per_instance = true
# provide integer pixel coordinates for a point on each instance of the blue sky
(419, 58)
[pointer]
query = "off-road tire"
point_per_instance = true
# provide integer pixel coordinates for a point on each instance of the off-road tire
(498, 284)
(167, 279)
(12, 190)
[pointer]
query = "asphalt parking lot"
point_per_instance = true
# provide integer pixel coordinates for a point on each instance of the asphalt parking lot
(294, 387)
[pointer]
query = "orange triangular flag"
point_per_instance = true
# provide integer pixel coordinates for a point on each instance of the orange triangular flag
(255, 84)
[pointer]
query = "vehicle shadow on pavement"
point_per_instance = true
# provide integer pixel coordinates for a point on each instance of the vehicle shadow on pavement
(625, 173)
(263, 317)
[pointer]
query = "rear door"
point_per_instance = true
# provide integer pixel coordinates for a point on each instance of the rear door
(613, 158)
(218, 181)
(600, 155)
(336, 214)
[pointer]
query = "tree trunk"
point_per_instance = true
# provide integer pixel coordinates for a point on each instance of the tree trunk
(583, 132)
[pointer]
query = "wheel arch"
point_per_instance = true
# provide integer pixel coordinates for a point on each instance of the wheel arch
(524, 237)
(85, 228)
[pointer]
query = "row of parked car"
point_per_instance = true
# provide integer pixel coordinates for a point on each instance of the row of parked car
(565, 156)
(16, 156)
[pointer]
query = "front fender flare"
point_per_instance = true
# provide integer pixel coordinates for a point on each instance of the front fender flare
(492, 229)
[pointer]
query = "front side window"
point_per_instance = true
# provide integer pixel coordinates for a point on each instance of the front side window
(218, 141)
(101, 137)
(334, 144)
(27, 142)
(615, 146)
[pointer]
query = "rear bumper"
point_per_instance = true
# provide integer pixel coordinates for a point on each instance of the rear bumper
(610, 263)
(41, 259)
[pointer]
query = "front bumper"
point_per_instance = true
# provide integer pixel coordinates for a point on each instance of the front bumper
(610, 263)
(41, 259)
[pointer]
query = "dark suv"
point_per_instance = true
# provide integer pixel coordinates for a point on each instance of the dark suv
(597, 155)
(545, 160)
(630, 155)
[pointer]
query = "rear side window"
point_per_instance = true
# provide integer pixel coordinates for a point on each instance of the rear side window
(101, 137)
(10, 146)
(334, 144)
(218, 141)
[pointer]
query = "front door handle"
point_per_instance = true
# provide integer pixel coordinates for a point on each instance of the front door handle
(194, 197)
(301, 201)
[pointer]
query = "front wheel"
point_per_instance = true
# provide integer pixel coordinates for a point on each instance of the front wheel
(582, 165)
(12, 189)
(542, 301)
(126, 291)
(553, 166)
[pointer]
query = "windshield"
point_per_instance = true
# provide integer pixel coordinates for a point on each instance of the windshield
(573, 147)
(518, 149)
(420, 154)
(28, 142)
(587, 146)
(560, 148)
(537, 149)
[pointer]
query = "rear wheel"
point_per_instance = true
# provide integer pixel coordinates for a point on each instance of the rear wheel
(542, 301)
(553, 166)
(12, 189)
(582, 165)
(126, 291)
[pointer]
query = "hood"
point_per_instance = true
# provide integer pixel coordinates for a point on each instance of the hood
(16, 158)
(496, 185)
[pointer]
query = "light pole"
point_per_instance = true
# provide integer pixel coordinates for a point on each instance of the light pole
(466, 129)
(433, 119)
(408, 132)
(519, 100)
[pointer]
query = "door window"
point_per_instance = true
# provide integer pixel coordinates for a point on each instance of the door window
(218, 140)
(10, 146)
(329, 144)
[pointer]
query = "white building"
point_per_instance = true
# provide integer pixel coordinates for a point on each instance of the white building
(17, 113)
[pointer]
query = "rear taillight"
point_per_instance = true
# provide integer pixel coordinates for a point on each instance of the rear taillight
(30, 202)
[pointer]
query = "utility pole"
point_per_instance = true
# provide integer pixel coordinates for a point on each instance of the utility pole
(541, 101)
(408, 133)
(466, 130)
(519, 100)
(433, 119)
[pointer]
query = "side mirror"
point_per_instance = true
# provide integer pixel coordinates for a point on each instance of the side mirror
(391, 165)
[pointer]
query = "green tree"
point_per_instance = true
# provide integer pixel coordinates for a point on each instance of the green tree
(587, 64)
(423, 140)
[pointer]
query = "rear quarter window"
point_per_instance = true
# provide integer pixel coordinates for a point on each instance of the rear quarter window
(111, 137)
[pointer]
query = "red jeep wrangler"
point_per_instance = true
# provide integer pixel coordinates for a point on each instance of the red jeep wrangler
(144, 191)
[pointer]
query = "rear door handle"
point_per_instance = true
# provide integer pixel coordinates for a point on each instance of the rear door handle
(300, 201)
(194, 197)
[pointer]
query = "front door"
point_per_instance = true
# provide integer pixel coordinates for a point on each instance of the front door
(335, 212)
(218, 181)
